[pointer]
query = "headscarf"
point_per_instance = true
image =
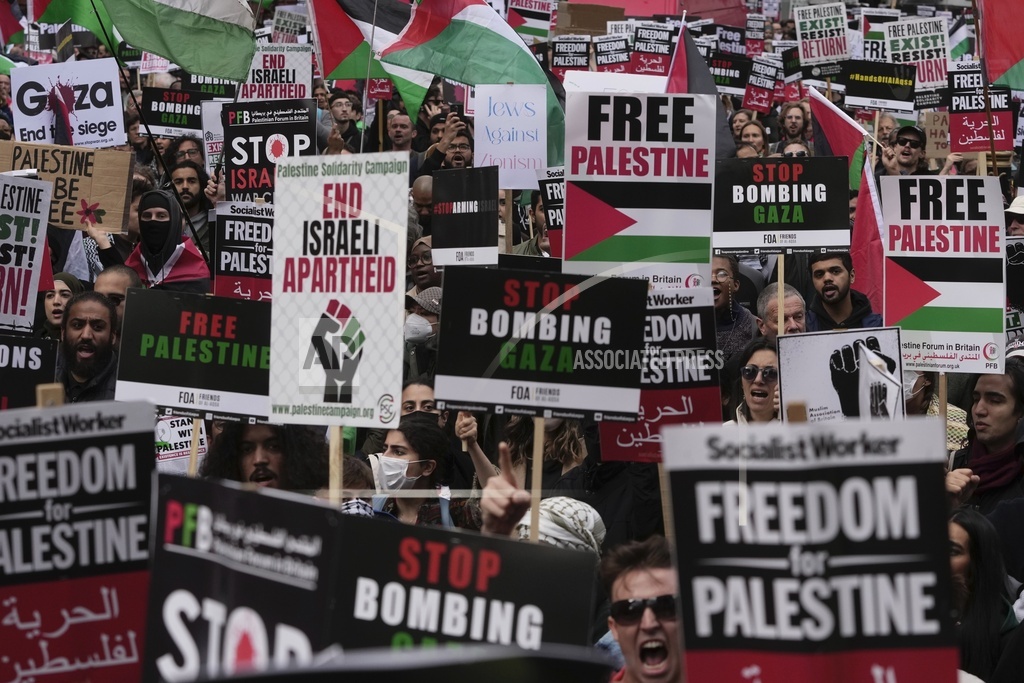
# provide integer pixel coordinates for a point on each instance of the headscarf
(566, 523)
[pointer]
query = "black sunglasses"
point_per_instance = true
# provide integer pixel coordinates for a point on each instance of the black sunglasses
(749, 373)
(801, 153)
(629, 612)
(910, 142)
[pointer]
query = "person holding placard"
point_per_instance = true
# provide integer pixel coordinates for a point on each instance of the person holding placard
(836, 305)
(756, 388)
(907, 155)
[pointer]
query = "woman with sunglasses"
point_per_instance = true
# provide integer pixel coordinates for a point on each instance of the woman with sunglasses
(795, 148)
(757, 385)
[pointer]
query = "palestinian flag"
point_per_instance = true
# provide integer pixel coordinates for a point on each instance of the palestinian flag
(872, 26)
(530, 18)
(961, 39)
(689, 73)
(1002, 50)
(11, 23)
(466, 41)
(80, 12)
(866, 248)
(837, 135)
(344, 43)
(7, 64)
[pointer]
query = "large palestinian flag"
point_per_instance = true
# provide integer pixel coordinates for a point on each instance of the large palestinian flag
(944, 281)
(1001, 46)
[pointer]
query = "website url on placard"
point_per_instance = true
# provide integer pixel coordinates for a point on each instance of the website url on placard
(323, 411)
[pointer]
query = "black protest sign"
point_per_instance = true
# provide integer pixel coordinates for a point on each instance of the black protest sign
(877, 85)
(424, 586)
(465, 219)
(520, 343)
(570, 53)
(24, 363)
(540, 51)
(244, 251)
(760, 90)
(172, 113)
(218, 87)
(256, 135)
(730, 73)
(820, 552)
(970, 128)
(612, 53)
(195, 356)
(242, 581)
(1014, 278)
(652, 49)
(754, 37)
(130, 56)
(781, 206)
(74, 540)
(552, 192)
(732, 40)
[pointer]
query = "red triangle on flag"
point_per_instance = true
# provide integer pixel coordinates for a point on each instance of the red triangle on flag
(595, 221)
(515, 19)
(905, 293)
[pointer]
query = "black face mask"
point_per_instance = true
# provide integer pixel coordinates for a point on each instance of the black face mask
(154, 234)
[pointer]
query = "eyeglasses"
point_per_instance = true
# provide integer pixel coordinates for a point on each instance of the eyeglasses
(425, 258)
(910, 142)
(721, 275)
(182, 153)
(629, 612)
(460, 148)
(794, 154)
(768, 373)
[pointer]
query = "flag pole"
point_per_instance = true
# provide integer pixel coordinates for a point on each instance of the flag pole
(984, 85)
(369, 63)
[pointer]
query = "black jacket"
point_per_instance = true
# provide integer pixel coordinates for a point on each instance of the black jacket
(862, 315)
(100, 388)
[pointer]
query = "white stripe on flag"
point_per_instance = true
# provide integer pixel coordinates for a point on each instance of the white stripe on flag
(669, 222)
(968, 294)
(228, 11)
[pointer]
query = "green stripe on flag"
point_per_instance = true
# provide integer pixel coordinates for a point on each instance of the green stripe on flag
(1014, 77)
(857, 166)
(656, 248)
(949, 319)
(527, 30)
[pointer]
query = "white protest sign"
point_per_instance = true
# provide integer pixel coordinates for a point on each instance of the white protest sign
(279, 71)
(821, 31)
(511, 132)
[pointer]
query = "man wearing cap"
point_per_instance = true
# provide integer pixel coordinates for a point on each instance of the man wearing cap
(420, 331)
(907, 155)
(1015, 218)
(163, 258)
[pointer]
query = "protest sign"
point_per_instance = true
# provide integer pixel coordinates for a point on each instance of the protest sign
(174, 443)
(213, 135)
(760, 90)
(1014, 287)
(502, 353)
(570, 53)
(877, 85)
(925, 44)
(218, 87)
(155, 64)
(680, 382)
(825, 76)
(380, 89)
(612, 53)
(90, 93)
(855, 361)
(24, 363)
(730, 73)
(279, 72)
(652, 49)
(530, 18)
(821, 32)
(944, 271)
(754, 36)
(173, 113)
(936, 127)
(638, 197)
(732, 40)
(592, 81)
(512, 132)
(813, 552)
(469, 586)
(245, 251)
(288, 26)
(872, 20)
(74, 541)
(195, 356)
(781, 206)
(624, 28)
(969, 122)
(24, 208)
(257, 135)
(465, 217)
(242, 581)
(339, 239)
(91, 187)
(552, 191)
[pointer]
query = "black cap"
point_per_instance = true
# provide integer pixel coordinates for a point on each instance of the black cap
(916, 129)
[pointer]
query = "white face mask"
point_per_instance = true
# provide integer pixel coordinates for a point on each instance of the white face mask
(417, 329)
(393, 474)
(909, 380)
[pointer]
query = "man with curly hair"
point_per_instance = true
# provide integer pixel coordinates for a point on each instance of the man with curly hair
(287, 457)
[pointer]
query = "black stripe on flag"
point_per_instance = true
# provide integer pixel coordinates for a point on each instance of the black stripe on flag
(649, 195)
(984, 269)
(392, 15)
(533, 14)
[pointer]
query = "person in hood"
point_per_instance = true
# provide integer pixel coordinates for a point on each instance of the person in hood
(55, 302)
(164, 257)
(836, 306)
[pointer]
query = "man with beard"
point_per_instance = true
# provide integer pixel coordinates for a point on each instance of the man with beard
(344, 118)
(836, 306)
(907, 154)
(453, 150)
(539, 244)
(89, 364)
(189, 179)
(401, 133)
(287, 457)
(164, 259)
(644, 590)
(793, 124)
(421, 267)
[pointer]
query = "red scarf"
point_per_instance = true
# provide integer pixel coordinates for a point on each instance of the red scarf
(997, 469)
